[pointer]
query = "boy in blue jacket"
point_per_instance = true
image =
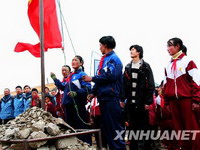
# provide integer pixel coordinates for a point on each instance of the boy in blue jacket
(6, 107)
(18, 102)
(27, 97)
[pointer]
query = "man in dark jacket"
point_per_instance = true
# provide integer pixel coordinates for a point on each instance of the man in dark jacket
(107, 88)
(138, 91)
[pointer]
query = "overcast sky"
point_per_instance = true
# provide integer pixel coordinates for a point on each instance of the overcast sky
(149, 23)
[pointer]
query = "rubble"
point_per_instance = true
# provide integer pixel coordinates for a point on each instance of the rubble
(52, 129)
(38, 126)
(66, 142)
(10, 133)
(24, 134)
(36, 123)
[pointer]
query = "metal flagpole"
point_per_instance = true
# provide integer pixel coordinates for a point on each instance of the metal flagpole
(41, 11)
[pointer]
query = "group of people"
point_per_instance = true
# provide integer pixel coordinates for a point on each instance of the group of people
(127, 100)
(12, 106)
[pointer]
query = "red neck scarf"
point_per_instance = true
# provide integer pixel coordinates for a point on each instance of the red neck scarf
(101, 63)
(174, 61)
(68, 79)
(173, 68)
(64, 79)
(34, 100)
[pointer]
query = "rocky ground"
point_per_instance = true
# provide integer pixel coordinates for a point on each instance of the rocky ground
(37, 123)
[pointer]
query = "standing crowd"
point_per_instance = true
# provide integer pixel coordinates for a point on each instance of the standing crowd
(120, 101)
(13, 106)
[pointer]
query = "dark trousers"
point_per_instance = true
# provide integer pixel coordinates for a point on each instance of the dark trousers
(138, 120)
(77, 119)
(184, 119)
(112, 121)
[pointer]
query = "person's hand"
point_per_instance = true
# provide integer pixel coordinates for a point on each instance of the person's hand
(53, 76)
(72, 94)
(90, 97)
(87, 78)
(195, 106)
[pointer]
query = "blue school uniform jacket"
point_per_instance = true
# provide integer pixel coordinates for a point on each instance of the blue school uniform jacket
(7, 109)
(75, 84)
(108, 81)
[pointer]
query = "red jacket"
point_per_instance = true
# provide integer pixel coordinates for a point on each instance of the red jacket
(59, 109)
(152, 113)
(49, 107)
(36, 101)
(182, 79)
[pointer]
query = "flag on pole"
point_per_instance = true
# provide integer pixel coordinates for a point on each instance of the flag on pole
(52, 34)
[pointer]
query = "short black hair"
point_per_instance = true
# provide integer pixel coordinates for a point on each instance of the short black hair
(67, 67)
(174, 42)
(34, 89)
(27, 86)
(46, 88)
(138, 49)
(18, 87)
(48, 95)
(108, 41)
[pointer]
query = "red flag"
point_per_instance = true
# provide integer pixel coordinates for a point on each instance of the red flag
(52, 35)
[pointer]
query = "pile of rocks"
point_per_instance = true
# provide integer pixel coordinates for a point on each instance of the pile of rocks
(36, 123)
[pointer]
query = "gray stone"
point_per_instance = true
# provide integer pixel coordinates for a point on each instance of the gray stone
(52, 129)
(62, 123)
(66, 142)
(34, 115)
(23, 134)
(38, 126)
(36, 135)
(10, 133)
(43, 148)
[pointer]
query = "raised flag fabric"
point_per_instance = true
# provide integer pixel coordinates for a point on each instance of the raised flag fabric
(52, 34)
